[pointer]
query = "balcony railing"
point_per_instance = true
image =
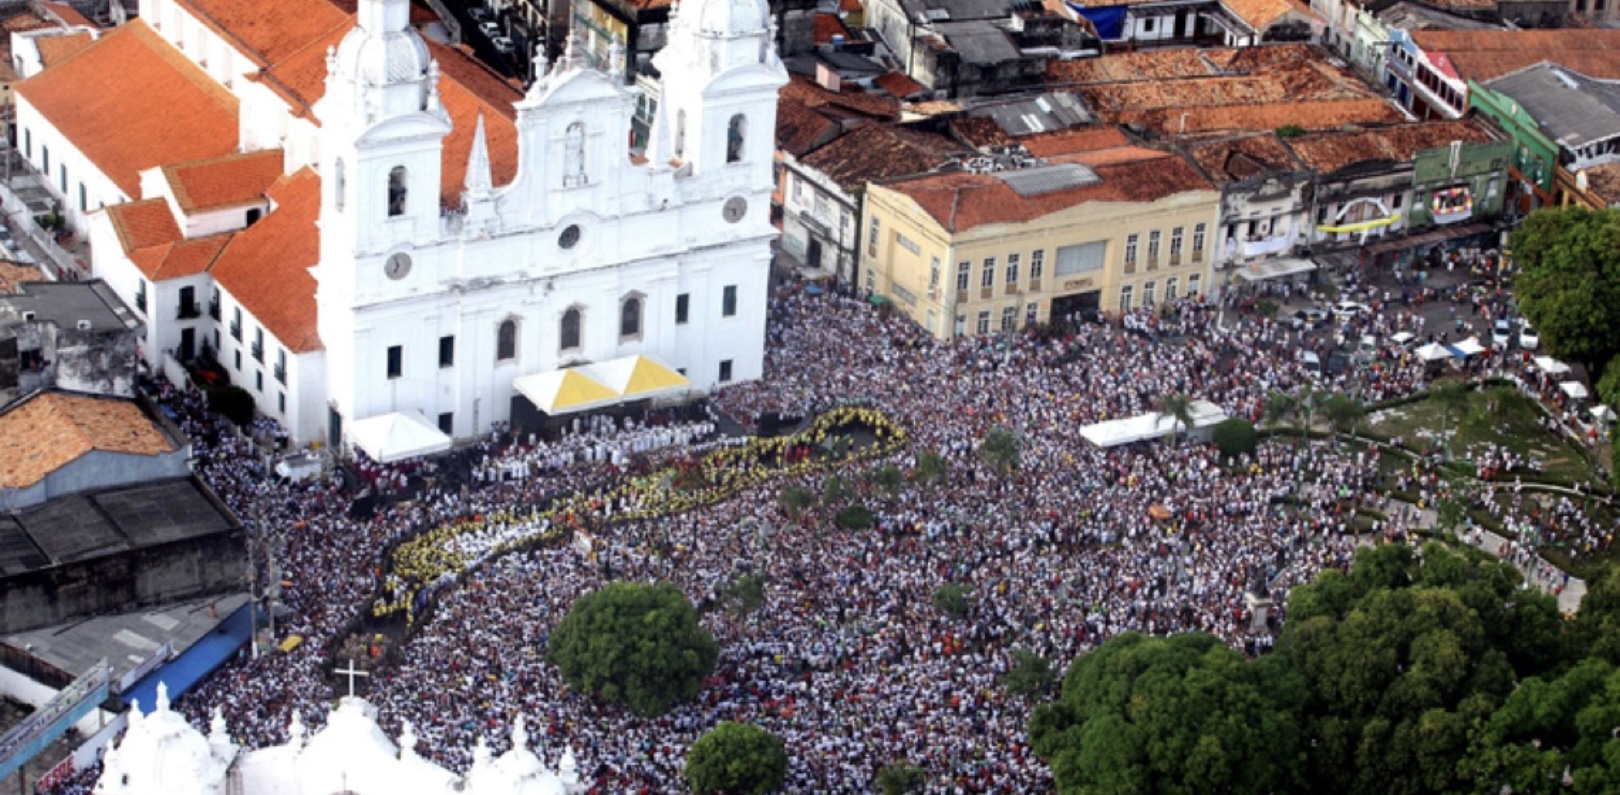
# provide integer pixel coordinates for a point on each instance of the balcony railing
(1034, 285)
(1175, 259)
(1130, 266)
(1011, 288)
(987, 292)
(140, 302)
(1198, 255)
(213, 309)
(236, 330)
(280, 373)
(1153, 263)
(188, 311)
(257, 349)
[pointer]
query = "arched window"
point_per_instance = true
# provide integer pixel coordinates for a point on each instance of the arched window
(630, 317)
(568, 334)
(574, 155)
(397, 188)
(506, 341)
(736, 136)
(340, 183)
(680, 133)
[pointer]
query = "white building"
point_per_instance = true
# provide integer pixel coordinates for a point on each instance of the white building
(385, 227)
(161, 754)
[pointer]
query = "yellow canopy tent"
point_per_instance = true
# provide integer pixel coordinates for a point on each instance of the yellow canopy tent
(565, 391)
(637, 377)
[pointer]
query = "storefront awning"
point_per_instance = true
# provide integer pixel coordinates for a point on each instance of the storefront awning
(601, 384)
(1274, 269)
(566, 390)
(1427, 238)
(396, 436)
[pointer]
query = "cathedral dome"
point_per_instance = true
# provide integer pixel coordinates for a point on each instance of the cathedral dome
(731, 17)
(382, 58)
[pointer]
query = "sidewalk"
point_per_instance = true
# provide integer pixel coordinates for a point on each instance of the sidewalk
(1569, 600)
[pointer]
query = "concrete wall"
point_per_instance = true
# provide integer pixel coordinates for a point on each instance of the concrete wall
(100, 469)
(181, 570)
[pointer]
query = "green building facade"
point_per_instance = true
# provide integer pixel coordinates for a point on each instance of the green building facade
(1535, 154)
(1465, 182)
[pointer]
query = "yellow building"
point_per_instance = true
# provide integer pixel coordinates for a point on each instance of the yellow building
(967, 254)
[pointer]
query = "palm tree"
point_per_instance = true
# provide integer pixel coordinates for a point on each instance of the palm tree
(1452, 398)
(1343, 412)
(1000, 449)
(1279, 406)
(1309, 401)
(1178, 408)
(930, 468)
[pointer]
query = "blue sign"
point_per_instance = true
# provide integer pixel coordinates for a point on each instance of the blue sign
(28, 739)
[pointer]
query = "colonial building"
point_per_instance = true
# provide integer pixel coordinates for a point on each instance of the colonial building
(971, 254)
(1265, 207)
(359, 224)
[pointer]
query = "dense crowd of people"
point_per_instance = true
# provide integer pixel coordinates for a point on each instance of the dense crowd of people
(848, 660)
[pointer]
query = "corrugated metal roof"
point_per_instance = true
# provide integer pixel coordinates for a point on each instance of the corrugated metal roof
(1571, 108)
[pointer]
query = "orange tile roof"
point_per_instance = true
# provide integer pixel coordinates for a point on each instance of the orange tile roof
(228, 181)
(101, 99)
(143, 224)
(900, 85)
(828, 26)
(68, 14)
(1228, 160)
(1487, 54)
(1073, 141)
(51, 430)
(875, 152)
(1262, 14)
(12, 274)
(1152, 64)
(299, 76)
(267, 32)
(55, 49)
(799, 129)
(961, 201)
(467, 89)
(851, 97)
(266, 266)
(980, 131)
(180, 258)
(1328, 152)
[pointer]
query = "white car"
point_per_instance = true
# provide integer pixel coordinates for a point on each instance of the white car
(1529, 339)
(1350, 308)
(503, 45)
(1501, 334)
(478, 14)
(490, 29)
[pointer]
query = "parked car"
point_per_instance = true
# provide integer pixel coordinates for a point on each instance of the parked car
(489, 29)
(1312, 362)
(1351, 308)
(503, 45)
(1338, 363)
(1529, 339)
(1312, 317)
(1501, 334)
(479, 14)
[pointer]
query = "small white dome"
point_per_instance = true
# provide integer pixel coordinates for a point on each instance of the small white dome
(382, 58)
(162, 754)
(729, 17)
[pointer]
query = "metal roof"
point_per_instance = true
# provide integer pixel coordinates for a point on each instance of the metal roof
(1043, 113)
(1571, 108)
(1048, 179)
(979, 42)
(89, 525)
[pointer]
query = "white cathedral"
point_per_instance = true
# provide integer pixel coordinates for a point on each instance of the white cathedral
(362, 225)
(161, 754)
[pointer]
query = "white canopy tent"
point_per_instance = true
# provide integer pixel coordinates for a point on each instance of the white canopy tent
(396, 436)
(1551, 366)
(1470, 347)
(1575, 389)
(1433, 352)
(1113, 433)
(1603, 413)
(1275, 269)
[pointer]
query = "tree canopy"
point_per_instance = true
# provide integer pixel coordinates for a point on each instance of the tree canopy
(736, 759)
(1425, 671)
(1183, 715)
(635, 644)
(1001, 449)
(1235, 436)
(1568, 283)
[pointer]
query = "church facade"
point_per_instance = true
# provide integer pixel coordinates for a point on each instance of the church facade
(394, 230)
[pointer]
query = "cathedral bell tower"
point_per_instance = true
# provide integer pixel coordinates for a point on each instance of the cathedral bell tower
(382, 130)
(720, 74)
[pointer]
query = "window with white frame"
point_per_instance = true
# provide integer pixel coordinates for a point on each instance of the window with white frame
(1153, 247)
(1147, 294)
(1125, 298)
(964, 272)
(1130, 247)
(1198, 239)
(1192, 285)
(984, 322)
(1012, 269)
(1170, 289)
(872, 237)
(1080, 258)
(988, 278)
(1175, 242)
(1037, 263)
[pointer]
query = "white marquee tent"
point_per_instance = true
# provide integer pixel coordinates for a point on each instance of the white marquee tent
(397, 436)
(1150, 426)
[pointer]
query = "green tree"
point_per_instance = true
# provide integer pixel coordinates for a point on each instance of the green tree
(1568, 283)
(899, 778)
(889, 479)
(930, 468)
(833, 491)
(1596, 627)
(1001, 449)
(1556, 735)
(795, 499)
(1031, 675)
(952, 598)
(1183, 715)
(745, 594)
(1404, 657)
(1608, 387)
(634, 644)
(736, 759)
(1178, 408)
(1235, 436)
(1343, 412)
(855, 517)
(1280, 406)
